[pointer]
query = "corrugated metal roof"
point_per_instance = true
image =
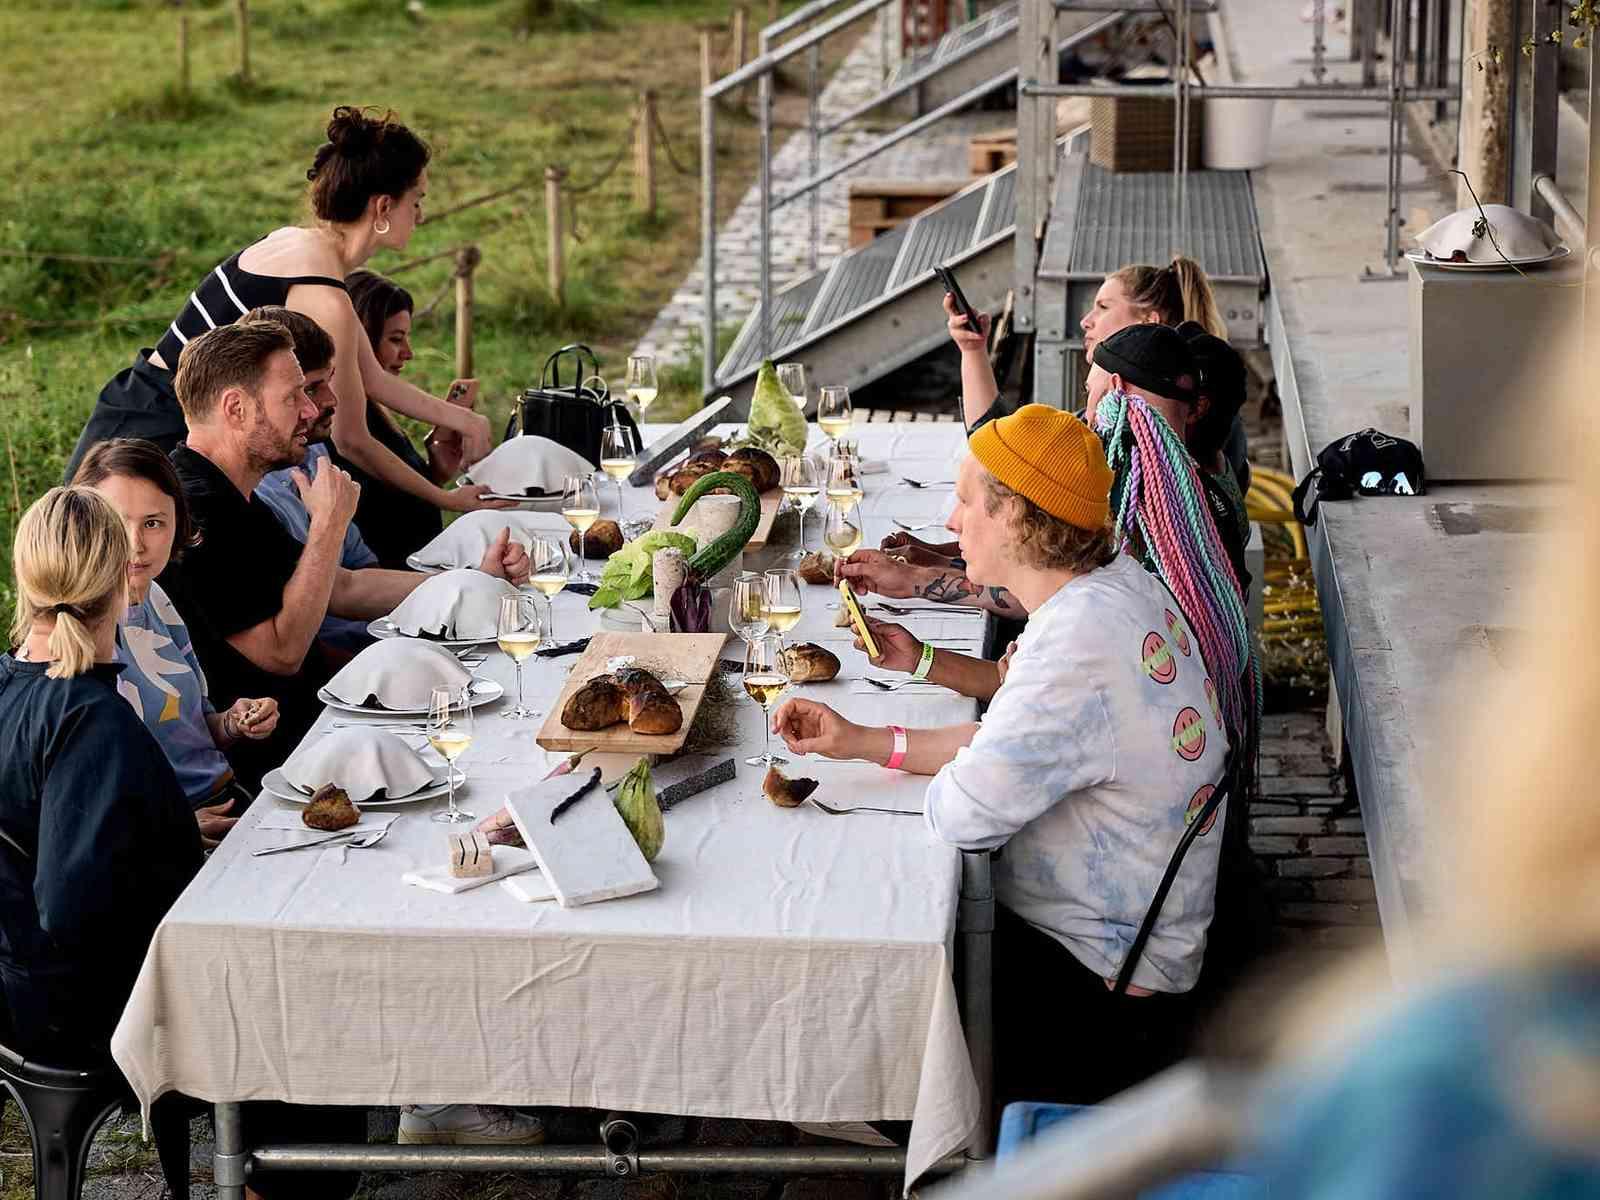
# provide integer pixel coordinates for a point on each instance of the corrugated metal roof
(1127, 218)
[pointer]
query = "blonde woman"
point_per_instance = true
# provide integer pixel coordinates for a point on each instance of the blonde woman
(96, 837)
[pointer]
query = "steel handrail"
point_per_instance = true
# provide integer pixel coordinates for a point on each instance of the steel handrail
(1560, 205)
(1238, 91)
(766, 63)
(799, 16)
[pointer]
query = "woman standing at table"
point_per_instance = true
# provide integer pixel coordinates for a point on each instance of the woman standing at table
(367, 185)
(1100, 746)
(96, 836)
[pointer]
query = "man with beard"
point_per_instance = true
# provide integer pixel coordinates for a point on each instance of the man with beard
(254, 597)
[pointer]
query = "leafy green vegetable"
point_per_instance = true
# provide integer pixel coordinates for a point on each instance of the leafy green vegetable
(626, 575)
(776, 422)
(636, 801)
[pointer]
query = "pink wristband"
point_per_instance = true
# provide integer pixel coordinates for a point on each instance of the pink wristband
(900, 746)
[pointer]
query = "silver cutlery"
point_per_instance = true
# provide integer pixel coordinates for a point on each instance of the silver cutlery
(845, 812)
(352, 841)
(407, 726)
(927, 483)
(916, 526)
(900, 610)
(884, 685)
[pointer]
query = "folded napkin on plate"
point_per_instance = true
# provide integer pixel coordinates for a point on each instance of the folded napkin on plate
(288, 819)
(528, 465)
(461, 604)
(398, 673)
(467, 539)
(508, 861)
(363, 762)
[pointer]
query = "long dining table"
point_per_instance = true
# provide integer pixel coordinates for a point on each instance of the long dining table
(792, 965)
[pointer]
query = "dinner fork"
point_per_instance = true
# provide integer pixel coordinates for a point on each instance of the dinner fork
(352, 841)
(913, 527)
(845, 812)
(895, 687)
(927, 483)
(900, 610)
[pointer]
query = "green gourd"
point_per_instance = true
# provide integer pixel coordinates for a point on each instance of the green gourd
(715, 555)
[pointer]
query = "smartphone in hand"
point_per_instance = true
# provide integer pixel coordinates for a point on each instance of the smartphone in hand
(953, 289)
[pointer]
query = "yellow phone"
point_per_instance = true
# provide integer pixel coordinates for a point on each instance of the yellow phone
(853, 608)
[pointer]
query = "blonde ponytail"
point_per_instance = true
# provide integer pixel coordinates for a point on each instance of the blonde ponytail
(70, 561)
(1198, 302)
(1175, 293)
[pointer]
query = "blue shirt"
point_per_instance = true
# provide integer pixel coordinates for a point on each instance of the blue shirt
(277, 492)
(163, 682)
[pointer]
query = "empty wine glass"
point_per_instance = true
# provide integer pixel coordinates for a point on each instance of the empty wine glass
(841, 528)
(641, 384)
(520, 632)
(833, 411)
(746, 608)
(619, 454)
(781, 600)
(800, 487)
(580, 505)
(765, 680)
(549, 568)
(450, 733)
(793, 378)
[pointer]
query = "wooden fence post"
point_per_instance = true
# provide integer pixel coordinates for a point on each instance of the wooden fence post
(644, 155)
(708, 72)
(467, 260)
(772, 12)
(741, 22)
(183, 52)
(552, 208)
(242, 20)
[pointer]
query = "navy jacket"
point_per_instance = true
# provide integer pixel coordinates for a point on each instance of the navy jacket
(96, 842)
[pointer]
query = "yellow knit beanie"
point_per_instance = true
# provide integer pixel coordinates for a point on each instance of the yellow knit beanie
(1053, 459)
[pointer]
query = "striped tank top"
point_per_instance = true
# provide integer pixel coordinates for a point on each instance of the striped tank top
(224, 296)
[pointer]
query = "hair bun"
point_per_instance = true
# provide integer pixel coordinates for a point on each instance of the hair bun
(351, 132)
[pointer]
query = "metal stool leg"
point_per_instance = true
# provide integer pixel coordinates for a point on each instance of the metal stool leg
(975, 925)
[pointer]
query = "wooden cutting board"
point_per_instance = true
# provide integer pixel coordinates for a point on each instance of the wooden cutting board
(691, 657)
(770, 503)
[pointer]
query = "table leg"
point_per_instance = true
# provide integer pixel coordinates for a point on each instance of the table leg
(975, 924)
(229, 1159)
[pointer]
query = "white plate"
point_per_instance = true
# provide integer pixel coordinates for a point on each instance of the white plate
(274, 783)
(383, 627)
(1421, 258)
(484, 691)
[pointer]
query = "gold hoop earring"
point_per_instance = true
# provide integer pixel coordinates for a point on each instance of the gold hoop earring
(380, 230)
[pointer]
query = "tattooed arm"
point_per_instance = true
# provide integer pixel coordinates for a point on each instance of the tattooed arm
(875, 571)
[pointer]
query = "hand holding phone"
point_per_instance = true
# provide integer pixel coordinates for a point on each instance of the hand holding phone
(953, 289)
(858, 621)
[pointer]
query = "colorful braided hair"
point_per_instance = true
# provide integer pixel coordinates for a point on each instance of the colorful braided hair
(1162, 500)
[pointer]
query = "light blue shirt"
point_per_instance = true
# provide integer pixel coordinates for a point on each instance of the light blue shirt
(164, 684)
(277, 492)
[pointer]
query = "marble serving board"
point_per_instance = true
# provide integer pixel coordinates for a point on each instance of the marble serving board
(691, 657)
(588, 854)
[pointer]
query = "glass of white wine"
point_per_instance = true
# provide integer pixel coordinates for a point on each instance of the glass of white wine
(765, 680)
(450, 733)
(844, 480)
(780, 604)
(833, 411)
(619, 454)
(747, 608)
(580, 505)
(801, 488)
(793, 378)
(520, 633)
(841, 528)
(548, 571)
(641, 384)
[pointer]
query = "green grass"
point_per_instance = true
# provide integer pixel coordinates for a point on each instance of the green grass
(107, 158)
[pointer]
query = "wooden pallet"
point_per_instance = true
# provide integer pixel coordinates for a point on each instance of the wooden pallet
(879, 205)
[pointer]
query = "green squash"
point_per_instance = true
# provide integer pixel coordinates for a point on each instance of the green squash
(718, 553)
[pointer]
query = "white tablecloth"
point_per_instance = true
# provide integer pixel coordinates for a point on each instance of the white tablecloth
(792, 966)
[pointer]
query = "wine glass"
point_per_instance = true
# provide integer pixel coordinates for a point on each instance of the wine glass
(780, 604)
(844, 479)
(450, 733)
(641, 381)
(793, 378)
(520, 632)
(833, 411)
(800, 487)
(548, 571)
(580, 505)
(765, 679)
(747, 608)
(841, 528)
(619, 454)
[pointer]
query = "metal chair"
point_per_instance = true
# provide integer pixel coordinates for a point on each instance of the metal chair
(64, 1106)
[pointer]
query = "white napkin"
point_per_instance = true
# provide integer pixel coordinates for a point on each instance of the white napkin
(456, 604)
(288, 819)
(363, 762)
(398, 673)
(467, 539)
(1518, 234)
(508, 861)
(522, 463)
(529, 888)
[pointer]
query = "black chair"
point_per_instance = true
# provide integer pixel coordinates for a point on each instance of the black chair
(64, 1106)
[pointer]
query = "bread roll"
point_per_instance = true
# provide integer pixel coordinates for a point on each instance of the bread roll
(632, 695)
(810, 663)
(330, 809)
(596, 705)
(765, 468)
(816, 567)
(786, 793)
(602, 541)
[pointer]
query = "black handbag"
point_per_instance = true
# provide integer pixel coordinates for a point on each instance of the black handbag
(575, 415)
(1369, 463)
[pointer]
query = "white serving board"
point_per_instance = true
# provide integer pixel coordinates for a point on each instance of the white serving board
(586, 856)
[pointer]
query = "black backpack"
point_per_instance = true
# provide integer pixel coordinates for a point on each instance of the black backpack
(1368, 463)
(574, 416)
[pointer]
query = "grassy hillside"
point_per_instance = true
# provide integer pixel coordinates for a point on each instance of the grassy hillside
(105, 158)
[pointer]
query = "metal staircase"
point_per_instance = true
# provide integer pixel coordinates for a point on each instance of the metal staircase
(878, 306)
